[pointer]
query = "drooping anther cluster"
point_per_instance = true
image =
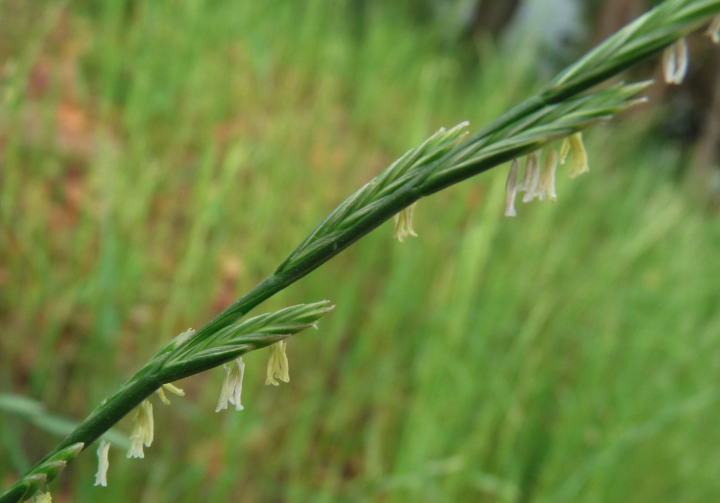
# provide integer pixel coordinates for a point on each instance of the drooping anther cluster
(232, 385)
(143, 429)
(403, 224)
(142, 416)
(103, 463)
(539, 182)
(278, 364)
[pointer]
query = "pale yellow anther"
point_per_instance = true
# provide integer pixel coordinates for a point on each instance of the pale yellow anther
(143, 430)
(527, 178)
(511, 189)
(103, 464)
(232, 385)
(403, 224)
(43, 498)
(547, 179)
(172, 389)
(675, 62)
(278, 364)
(163, 398)
(531, 180)
(564, 150)
(578, 156)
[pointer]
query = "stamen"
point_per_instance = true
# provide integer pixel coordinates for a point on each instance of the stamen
(278, 364)
(43, 498)
(578, 155)
(232, 385)
(532, 170)
(143, 430)
(547, 181)
(403, 224)
(172, 389)
(103, 464)
(163, 398)
(675, 62)
(564, 150)
(511, 189)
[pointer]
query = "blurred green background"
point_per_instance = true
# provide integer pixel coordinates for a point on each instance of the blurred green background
(160, 158)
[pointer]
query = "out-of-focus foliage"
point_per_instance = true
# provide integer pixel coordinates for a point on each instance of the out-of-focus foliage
(160, 158)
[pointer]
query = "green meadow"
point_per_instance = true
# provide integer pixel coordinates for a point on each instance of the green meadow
(159, 159)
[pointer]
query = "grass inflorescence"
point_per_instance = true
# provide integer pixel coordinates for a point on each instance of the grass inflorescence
(546, 305)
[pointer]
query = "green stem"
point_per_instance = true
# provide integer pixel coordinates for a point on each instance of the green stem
(106, 415)
(427, 181)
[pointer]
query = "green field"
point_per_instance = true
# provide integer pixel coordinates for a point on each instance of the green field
(158, 159)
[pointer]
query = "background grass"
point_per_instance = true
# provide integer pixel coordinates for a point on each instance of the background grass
(161, 158)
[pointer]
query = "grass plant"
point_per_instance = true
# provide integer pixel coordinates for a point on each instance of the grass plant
(534, 382)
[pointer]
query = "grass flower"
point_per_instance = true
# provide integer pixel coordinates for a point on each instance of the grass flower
(43, 498)
(675, 62)
(511, 189)
(143, 430)
(172, 389)
(232, 385)
(567, 103)
(403, 224)
(573, 145)
(547, 179)
(532, 175)
(278, 364)
(527, 178)
(103, 464)
(564, 150)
